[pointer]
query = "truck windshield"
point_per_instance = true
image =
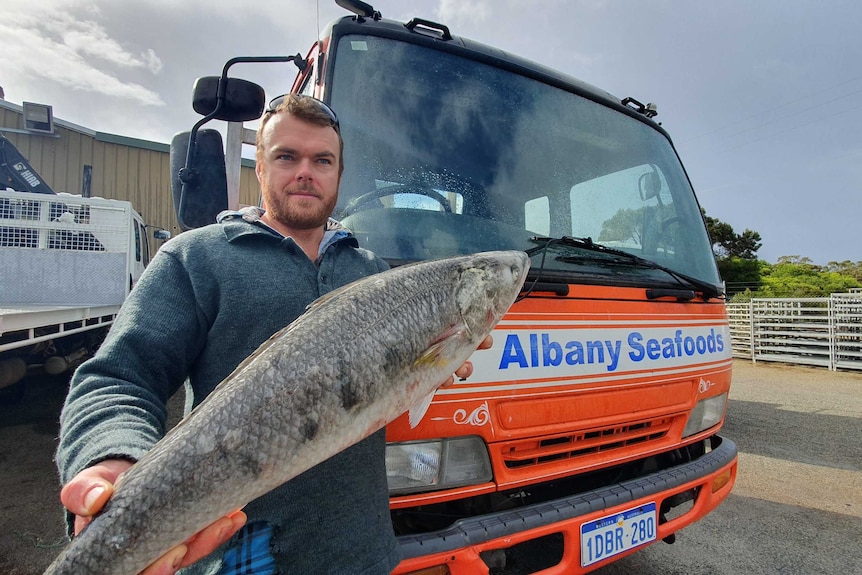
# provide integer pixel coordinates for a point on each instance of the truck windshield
(446, 155)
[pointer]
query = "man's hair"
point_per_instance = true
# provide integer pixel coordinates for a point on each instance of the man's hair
(303, 108)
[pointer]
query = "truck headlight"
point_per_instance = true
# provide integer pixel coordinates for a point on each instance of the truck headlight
(416, 466)
(705, 414)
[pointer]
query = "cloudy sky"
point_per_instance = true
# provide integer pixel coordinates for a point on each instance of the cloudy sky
(760, 96)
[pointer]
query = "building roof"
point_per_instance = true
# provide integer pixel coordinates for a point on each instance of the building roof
(98, 136)
(104, 136)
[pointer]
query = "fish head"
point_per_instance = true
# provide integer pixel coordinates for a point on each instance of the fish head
(488, 284)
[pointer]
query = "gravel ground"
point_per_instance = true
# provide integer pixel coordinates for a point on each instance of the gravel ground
(796, 507)
(31, 531)
(32, 528)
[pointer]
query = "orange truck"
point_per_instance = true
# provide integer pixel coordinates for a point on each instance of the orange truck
(591, 428)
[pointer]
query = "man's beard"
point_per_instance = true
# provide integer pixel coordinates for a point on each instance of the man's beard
(285, 209)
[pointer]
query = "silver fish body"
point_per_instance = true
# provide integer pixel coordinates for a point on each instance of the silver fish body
(356, 360)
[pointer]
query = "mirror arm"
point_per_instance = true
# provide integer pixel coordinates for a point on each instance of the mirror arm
(187, 174)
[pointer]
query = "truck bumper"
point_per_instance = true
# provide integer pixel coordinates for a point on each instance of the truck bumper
(466, 546)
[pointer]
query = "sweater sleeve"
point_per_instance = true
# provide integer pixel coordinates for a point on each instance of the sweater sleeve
(117, 401)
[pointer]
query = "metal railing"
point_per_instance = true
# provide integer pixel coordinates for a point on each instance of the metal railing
(824, 332)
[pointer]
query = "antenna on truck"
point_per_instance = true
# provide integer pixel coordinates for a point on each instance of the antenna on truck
(361, 9)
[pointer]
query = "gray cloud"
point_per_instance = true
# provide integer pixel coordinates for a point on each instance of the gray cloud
(758, 96)
(52, 42)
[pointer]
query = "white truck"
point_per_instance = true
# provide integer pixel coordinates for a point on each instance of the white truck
(67, 263)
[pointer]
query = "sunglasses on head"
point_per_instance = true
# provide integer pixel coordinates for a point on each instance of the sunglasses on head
(276, 102)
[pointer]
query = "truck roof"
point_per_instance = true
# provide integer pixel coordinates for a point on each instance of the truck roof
(438, 37)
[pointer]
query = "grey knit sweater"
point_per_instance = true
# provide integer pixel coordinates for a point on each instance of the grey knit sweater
(209, 298)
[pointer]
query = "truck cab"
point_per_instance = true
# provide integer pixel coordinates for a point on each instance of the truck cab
(591, 428)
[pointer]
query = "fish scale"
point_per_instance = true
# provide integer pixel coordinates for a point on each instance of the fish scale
(357, 359)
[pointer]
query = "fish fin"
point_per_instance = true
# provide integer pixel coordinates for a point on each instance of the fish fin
(316, 303)
(330, 295)
(272, 339)
(324, 298)
(417, 412)
(436, 352)
(431, 356)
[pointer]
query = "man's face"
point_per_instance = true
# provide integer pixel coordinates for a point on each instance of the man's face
(298, 172)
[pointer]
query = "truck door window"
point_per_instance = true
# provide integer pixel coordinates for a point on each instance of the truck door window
(537, 216)
(307, 88)
(617, 211)
(137, 241)
(145, 245)
(396, 195)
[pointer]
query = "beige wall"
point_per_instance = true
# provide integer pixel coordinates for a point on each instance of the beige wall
(122, 168)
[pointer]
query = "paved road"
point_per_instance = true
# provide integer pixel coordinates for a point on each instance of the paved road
(796, 507)
(797, 504)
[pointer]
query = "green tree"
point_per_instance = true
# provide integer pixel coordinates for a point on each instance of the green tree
(721, 235)
(796, 276)
(740, 274)
(735, 254)
(624, 226)
(627, 226)
(846, 268)
(746, 245)
(726, 243)
(790, 276)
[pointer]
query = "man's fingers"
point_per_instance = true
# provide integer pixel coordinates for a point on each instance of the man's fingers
(198, 546)
(85, 495)
(84, 498)
(466, 370)
(81, 522)
(205, 542)
(167, 564)
(87, 492)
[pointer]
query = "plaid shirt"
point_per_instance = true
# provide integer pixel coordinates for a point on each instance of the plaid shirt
(249, 552)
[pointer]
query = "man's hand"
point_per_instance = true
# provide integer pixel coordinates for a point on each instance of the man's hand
(86, 494)
(466, 370)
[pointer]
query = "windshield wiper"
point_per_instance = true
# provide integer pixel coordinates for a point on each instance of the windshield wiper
(708, 290)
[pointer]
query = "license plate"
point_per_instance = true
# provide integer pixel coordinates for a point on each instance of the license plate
(617, 533)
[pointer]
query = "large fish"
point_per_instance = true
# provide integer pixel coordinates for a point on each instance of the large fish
(356, 360)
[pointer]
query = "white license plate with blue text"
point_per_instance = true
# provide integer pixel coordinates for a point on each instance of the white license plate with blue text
(617, 533)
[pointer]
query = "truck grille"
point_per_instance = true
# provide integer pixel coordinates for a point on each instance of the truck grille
(518, 454)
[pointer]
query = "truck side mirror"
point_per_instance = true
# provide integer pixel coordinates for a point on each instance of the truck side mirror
(649, 185)
(242, 100)
(205, 193)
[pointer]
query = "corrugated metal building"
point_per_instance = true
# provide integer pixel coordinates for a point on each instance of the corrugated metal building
(116, 167)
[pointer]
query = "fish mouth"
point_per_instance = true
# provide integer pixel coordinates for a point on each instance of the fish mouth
(513, 269)
(519, 269)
